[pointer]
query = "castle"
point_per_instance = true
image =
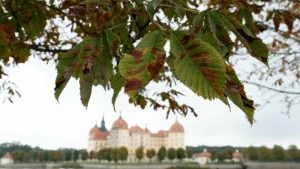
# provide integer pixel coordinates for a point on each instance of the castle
(134, 137)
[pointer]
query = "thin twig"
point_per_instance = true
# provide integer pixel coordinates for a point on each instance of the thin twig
(15, 16)
(157, 24)
(170, 6)
(266, 87)
(36, 48)
(118, 25)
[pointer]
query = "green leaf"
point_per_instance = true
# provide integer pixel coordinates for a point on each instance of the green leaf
(143, 63)
(102, 68)
(4, 51)
(198, 21)
(117, 82)
(178, 8)
(65, 69)
(113, 42)
(221, 37)
(151, 7)
(169, 12)
(254, 45)
(90, 49)
(86, 84)
(139, 2)
(142, 19)
(211, 38)
(198, 65)
(170, 62)
(20, 52)
(236, 93)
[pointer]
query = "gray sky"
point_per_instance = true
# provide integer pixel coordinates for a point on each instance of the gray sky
(38, 119)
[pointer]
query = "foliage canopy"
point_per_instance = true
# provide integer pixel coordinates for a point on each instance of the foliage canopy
(162, 153)
(122, 44)
(139, 153)
(150, 154)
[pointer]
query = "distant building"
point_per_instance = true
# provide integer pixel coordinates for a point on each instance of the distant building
(236, 156)
(6, 159)
(203, 158)
(134, 137)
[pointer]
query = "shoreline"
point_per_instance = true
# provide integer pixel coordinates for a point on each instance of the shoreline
(251, 165)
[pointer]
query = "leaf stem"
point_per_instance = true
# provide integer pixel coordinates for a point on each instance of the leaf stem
(157, 24)
(187, 9)
(121, 24)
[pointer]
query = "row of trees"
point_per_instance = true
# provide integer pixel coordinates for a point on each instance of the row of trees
(162, 153)
(262, 153)
(277, 153)
(26, 153)
(121, 154)
(45, 155)
(109, 154)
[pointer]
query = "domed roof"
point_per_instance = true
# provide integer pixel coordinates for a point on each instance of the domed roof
(120, 124)
(94, 129)
(177, 128)
(99, 135)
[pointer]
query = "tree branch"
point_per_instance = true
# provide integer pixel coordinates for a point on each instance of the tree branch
(36, 48)
(187, 9)
(266, 87)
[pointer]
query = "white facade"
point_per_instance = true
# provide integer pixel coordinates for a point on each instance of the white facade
(202, 160)
(203, 157)
(6, 159)
(135, 137)
(236, 156)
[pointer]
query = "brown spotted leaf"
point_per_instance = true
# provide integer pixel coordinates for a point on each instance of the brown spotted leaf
(253, 44)
(143, 63)
(65, 69)
(198, 21)
(113, 42)
(220, 37)
(103, 67)
(198, 65)
(91, 48)
(94, 65)
(86, 84)
(236, 93)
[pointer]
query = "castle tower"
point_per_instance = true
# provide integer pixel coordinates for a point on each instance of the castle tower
(103, 128)
(176, 136)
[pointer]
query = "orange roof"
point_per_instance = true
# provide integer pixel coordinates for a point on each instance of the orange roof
(94, 129)
(99, 135)
(236, 155)
(204, 154)
(176, 128)
(7, 155)
(161, 133)
(120, 124)
(138, 129)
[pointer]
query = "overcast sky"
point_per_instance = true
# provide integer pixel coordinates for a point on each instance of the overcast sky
(38, 119)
